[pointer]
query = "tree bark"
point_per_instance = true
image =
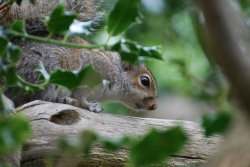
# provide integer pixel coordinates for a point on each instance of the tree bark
(49, 121)
(228, 37)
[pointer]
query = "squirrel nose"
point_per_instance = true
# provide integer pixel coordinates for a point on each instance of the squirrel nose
(153, 107)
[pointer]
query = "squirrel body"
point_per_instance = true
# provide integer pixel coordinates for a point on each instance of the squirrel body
(132, 85)
(123, 81)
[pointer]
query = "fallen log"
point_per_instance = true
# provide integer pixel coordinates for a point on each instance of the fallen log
(49, 121)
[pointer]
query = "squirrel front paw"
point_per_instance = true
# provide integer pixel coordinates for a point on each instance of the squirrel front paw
(71, 101)
(95, 107)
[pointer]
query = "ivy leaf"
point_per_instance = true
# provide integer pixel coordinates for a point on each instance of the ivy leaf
(3, 45)
(152, 52)
(129, 57)
(88, 76)
(87, 139)
(131, 51)
(157, 146)
(10, 75)
(9, 52)
(216, 123)
(123, 14)
(60, 20)
(114, 144)
(71, 80)
(18, 26)
(14, 131)
(13, 53)
(64, 78)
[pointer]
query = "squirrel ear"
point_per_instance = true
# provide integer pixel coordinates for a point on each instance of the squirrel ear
(126, 66)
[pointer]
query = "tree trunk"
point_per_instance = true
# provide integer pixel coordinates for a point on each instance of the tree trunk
(228, 35)
(49, 121)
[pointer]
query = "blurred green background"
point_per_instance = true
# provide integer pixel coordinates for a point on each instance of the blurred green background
(188, 84)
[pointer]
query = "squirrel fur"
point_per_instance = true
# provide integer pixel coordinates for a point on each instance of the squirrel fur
(134, 86)
(124, 83)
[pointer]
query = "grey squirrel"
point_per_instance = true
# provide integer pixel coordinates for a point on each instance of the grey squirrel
(134, 86)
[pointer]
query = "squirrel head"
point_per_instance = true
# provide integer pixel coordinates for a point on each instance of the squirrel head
(141, 92)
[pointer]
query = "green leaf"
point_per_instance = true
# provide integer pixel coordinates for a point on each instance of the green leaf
(152, 52)
(215, 123)
(157, 146)
(87, 139)
(3, 46)
(129, 57)
(60, 20)
(131, 51)
(18, 26)
(123, 14)
(88, 76)
(13, 53)
(114, 144)
(64, 78)
(10, 75)
(71, 80)
(14, 131)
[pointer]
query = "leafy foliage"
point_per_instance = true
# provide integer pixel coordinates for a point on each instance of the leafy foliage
(131, 51)
(60, 20)
(13, 132)
(185, 64)
(157, 145)
(18, 26)
(72, 80)
(154, 147)
(10, 55)
(123, 14)
(3, 46)
(216, 123)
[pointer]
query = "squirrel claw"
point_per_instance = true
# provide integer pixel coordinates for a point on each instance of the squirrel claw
(95, 107)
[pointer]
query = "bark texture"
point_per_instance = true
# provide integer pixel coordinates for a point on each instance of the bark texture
(51, 120)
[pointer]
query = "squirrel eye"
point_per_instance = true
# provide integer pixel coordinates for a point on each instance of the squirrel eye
(145, 80)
